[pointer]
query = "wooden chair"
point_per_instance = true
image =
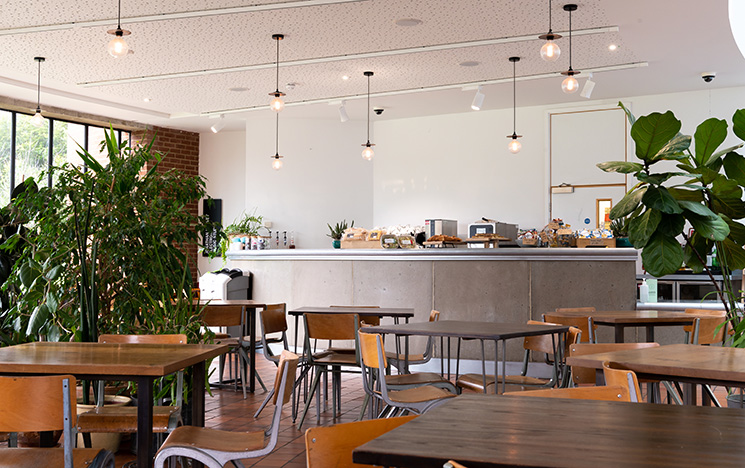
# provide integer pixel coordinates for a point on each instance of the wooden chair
(398, 360)
(414, 400)
(583, 322)
(616, 375)
(709, 328)
(332, 446)
(603, 393)
(329, 327)
(44, 404)
(231, 316)
(539, 343)
(124, 418)
(215, 448)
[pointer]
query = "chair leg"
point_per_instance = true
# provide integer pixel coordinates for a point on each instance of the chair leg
(313, 388)
(707, 389)
(672, 393)
(263, 403)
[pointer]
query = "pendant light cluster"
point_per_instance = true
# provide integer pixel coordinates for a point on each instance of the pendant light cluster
(277, 104)
(118, 46)
(368, 152)
(550, 51)
(514, 145)
(38, 120)
(570, 85)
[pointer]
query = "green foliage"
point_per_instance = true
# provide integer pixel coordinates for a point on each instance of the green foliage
(710, 199)
(248, 225)
(336, 232)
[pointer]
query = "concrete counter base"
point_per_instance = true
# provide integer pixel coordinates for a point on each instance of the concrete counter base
(498, 285)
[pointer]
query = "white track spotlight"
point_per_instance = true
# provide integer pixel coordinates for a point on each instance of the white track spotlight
(478, 100)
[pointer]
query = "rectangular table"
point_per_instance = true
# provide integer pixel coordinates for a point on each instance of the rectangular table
(621, 319)
(486, 431)
(249, 307)
(141, 363)
(689, 364)
(492, 331)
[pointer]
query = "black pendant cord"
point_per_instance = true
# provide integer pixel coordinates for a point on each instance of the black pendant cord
(514, 100)
(570, 39)
(119, 16)
(278, 64)
(276, 138)
(38, 88)
(550, 30)
(368, 109)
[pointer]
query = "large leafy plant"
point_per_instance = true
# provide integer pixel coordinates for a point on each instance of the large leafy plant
(703, 191)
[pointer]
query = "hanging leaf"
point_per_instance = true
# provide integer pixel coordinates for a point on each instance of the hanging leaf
(627, 204)
(709, 135)
(642, 227)
(674, 149)
(716, 156)
(734, 167)
(732, 207)
(735, 254)
(38, 317)
(690, 192)
(623, 167)
(629, 115)
(736, 230)
(671, 224)
(697, 208)
(652, 132)
(660, 199)
(711, 228)
(662, 255)
(738, 123)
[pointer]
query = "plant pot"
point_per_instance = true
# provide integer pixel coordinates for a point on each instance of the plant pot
(623, 242)
(33, 439)
(104, 440)
(336, 243)
(735, 400)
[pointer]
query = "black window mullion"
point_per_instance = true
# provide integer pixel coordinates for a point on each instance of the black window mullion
(12, 152)
(50, 159)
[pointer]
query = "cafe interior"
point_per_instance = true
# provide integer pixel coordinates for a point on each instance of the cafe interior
(339, 233)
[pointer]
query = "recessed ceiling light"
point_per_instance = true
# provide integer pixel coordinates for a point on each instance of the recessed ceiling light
(470, 63)
(238, 89)
(291, 86)
(345, 77)
(408, 22)
(612, 47)
(146, 99)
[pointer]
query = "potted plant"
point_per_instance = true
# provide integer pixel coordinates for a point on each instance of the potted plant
(337, 231)
(619, 227)
(704, 190)
(244, 226)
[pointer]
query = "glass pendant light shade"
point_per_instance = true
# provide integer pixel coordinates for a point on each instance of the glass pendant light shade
(550, 51)
(37, 120)
(118, 47)
(569, 85)
(514, 146)
(368, 152)
(277, 104)
(276, 162)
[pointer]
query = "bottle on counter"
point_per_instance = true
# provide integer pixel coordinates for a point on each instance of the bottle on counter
(276, 244)
(268, 243)
(644, 291)
(284, 240)
(292, 239)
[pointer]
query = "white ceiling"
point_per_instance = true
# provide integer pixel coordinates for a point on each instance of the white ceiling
(417, 69)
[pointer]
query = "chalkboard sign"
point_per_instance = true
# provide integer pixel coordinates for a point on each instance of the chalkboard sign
(212, 208)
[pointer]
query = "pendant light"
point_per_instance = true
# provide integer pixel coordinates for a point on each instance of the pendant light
(276, 159)
(368, 152)
(277, 104)
(117, 46)
(570, 85)
(514, 145)
(550, 51)
(38, 120)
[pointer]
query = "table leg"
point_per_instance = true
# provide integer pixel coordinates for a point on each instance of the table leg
(496, 368)
(406, 354)
(504, 366)
(619, 333)
(650, 334)
(252, 349)
(145, 420)
(197, 407)
(689, 394)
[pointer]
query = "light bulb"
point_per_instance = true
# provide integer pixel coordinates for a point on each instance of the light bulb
(550, 51)
(569, 85)
(118, 47)
(514, 146)
(37, 120)
(277, 164)
(277, 104)
(368, 153)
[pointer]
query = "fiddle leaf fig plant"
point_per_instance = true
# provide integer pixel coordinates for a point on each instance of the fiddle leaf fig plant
(703, 192)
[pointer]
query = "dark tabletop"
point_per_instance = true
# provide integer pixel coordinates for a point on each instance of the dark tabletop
(646, 317)
(486, 431)
(468, 329)
(377, 311)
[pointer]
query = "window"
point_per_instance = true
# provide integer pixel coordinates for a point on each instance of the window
(5, 156)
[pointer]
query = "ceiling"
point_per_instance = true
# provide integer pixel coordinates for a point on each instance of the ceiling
(189, 54)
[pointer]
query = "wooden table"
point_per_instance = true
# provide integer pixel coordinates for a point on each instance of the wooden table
(690, 364)
(621, 319)
(492, 331)
(141, 363)
(249, 307)
(486, 431)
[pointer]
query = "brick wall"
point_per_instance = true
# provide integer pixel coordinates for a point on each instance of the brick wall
(181, 151)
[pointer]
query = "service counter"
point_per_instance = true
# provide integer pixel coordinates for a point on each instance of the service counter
(507, 285)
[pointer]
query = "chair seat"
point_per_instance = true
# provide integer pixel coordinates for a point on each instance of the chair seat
(419, 394)
(214, 439)
(47, 457)
(419, 378)
(124, 419)
(413, 358)
(475, 382)
(332, 358)
(221, 336)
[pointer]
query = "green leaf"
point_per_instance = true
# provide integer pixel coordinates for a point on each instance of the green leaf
(735, 254)
(724, 187)
(660, 199)
(674, 149)
(652, 132)
(698, 209)
(709, 135)
(52, 302)
(732, 207)
(54, 272)
(623, 167)
(711, 228)
(695, 252)
(641, 228)
(662, 255)
(37, 320)
(627, 204)
(736, 230)
(28, 274)
(693, 193)
(738, 123)
(659, 179)
(629, 115)
(714, 157)
(671, 224)
(734, 167)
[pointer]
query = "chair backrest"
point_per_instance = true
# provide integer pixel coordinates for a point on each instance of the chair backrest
(583, 322)
(586, 375)
(372, 320)
(331, 326)
(332, 446)
(288, 361)
(707, 328)
(176, 338)
(223, 315)
(274, 319)
(434, 316)
(606, 393)
(545, 343)
(616, 375)
(369, 350)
